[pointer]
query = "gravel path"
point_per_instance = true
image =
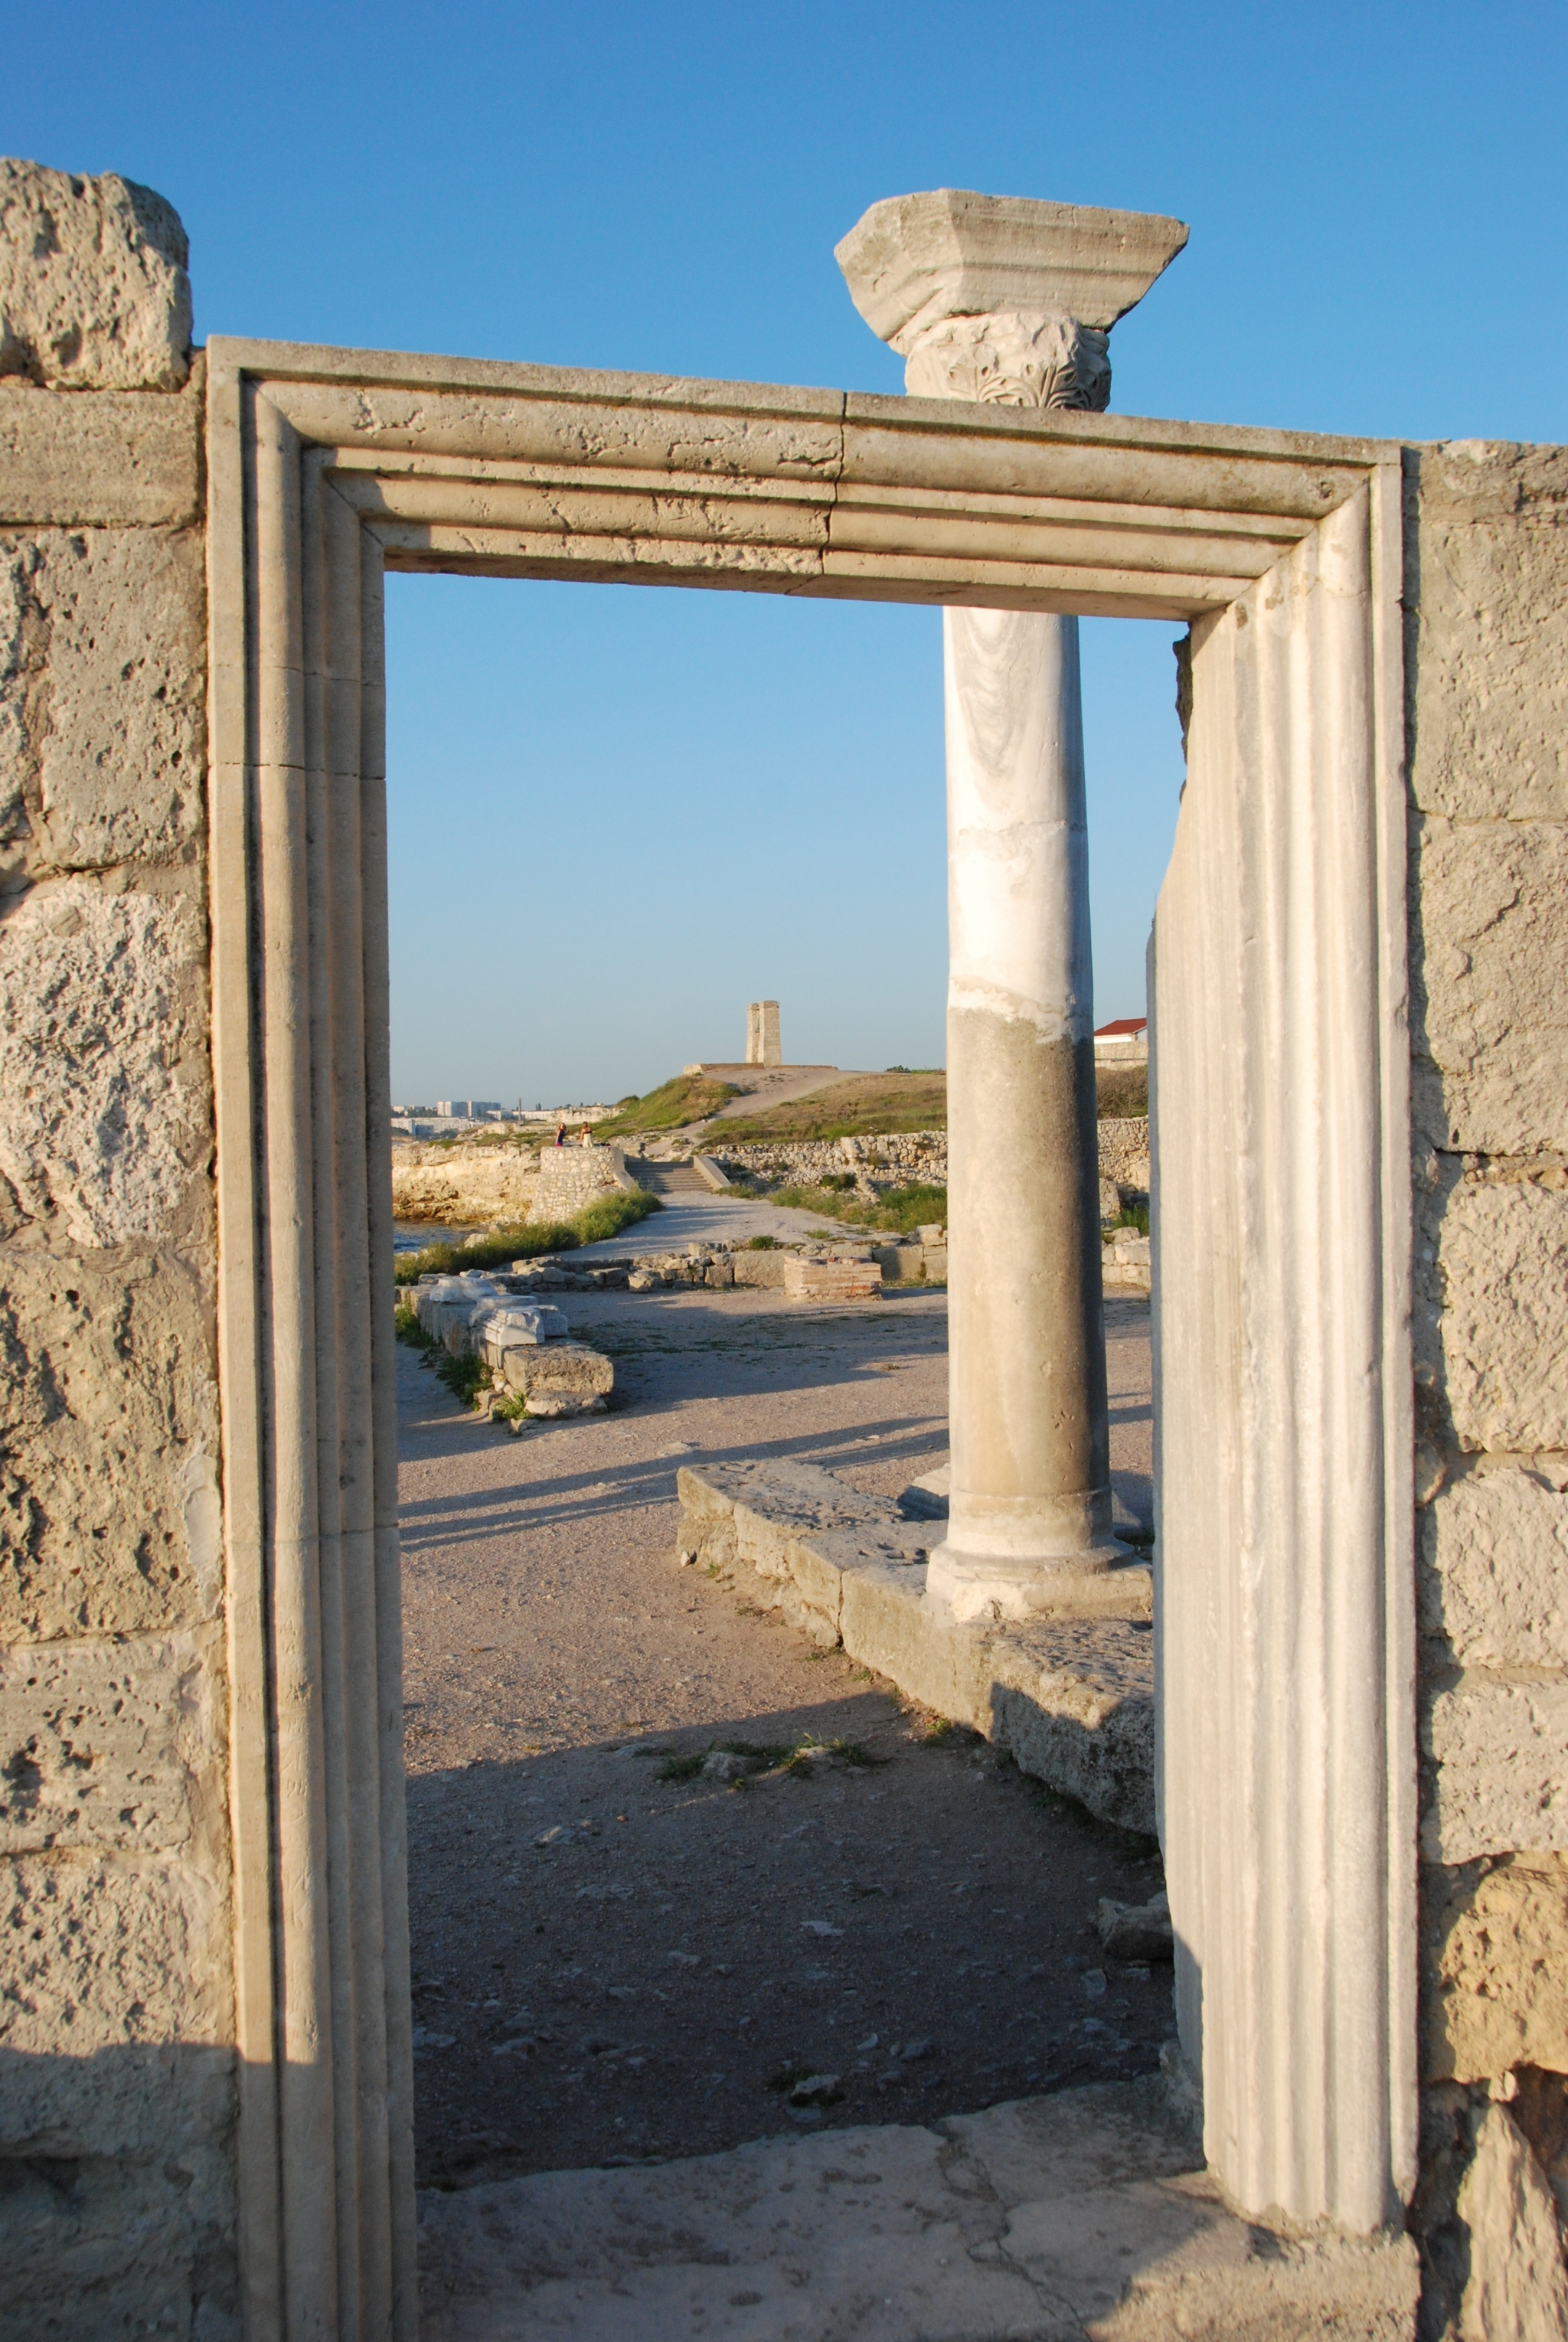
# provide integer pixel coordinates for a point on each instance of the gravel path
(610, 1964)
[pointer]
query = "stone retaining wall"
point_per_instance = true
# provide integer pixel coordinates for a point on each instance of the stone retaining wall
(909, 1156)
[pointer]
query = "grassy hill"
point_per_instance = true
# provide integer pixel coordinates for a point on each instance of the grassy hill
(856, 1108)
(687, 1097)
(850, 1109)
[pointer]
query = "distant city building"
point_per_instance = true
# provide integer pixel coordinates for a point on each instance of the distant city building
(467, 1109)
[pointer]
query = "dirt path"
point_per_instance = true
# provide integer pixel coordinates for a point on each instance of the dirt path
(609, 1963)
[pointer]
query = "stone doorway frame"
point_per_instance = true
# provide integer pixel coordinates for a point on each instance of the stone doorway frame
(1287, 1699)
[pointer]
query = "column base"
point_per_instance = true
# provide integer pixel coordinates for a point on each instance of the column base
(986, 1588)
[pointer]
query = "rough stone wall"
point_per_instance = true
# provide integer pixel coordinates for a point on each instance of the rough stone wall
(1487, 720)
(571, 1178)
(116, 2180)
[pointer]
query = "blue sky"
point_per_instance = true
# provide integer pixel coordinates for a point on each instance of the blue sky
(619, 813)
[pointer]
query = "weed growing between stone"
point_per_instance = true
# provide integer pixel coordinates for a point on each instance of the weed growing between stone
(1133, 1216)
(606, 1217)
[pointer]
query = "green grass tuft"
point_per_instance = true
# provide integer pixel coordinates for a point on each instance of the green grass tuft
(900, 1211)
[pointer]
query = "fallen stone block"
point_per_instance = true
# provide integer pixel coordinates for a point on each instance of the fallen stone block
(759, 1269)
(559, 1377)
(831, 1280)
(506, 1328)
(900, 1264)
(1136, 1931)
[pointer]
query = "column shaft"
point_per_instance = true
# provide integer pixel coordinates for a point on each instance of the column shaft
(1031, 1503)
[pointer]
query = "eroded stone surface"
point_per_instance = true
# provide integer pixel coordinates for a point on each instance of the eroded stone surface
(94, 294)
(1493, 1573)
(108, 1505)
(1054, 2219)
(1489, 1005)
(114, 1965)
(1489, 691)
(1502, 1261)
(1499, 1752)
(1517, 2287)
(103, 1059)
(106, 1744)
(102, 697)
(1496, 1944)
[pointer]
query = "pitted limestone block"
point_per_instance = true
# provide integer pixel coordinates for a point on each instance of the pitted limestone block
(1516, 2286)
(101, 459)
(1498, 1757)
(1494, 1570)
(108, 1744)
(1489, 1003)
(559, 1377)
(97, 2248)
(1502, 1261)
(104, 1060)
(109, 1514)
(116, 1968)
(1495, 1943)
(103, 686)
(94, 294)
(1488, 687)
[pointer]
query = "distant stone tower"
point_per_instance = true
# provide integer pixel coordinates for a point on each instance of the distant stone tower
(763, 1034)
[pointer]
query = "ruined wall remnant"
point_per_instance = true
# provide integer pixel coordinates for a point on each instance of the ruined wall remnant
(1487, 717)
(115, 2113)
(120, 2190)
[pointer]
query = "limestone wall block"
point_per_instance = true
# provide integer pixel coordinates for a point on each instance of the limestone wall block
(1488, 687)
(1516, 2285)
(94, 294)
(1491, 1008)
(1494, 1330)
(109, 1511)
(1493, 1578)
(1498, 1755)
(116, 1968)
(1495, 1961)
(104, 1060)
(139, 2246)
(108, 1744)
(101, 459)
(103, 689)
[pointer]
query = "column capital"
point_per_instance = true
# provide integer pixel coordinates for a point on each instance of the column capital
(1001, 298)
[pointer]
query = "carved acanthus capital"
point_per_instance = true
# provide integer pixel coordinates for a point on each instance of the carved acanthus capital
(1002, 299)
(1013, 359)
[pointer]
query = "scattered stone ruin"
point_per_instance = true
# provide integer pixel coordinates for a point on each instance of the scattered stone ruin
(1360, 1182)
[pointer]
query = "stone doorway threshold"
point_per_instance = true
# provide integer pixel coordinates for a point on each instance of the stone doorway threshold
(1085, 2216)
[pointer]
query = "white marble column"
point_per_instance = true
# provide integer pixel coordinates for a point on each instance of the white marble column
(1031, 1470)
(1011, 303)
